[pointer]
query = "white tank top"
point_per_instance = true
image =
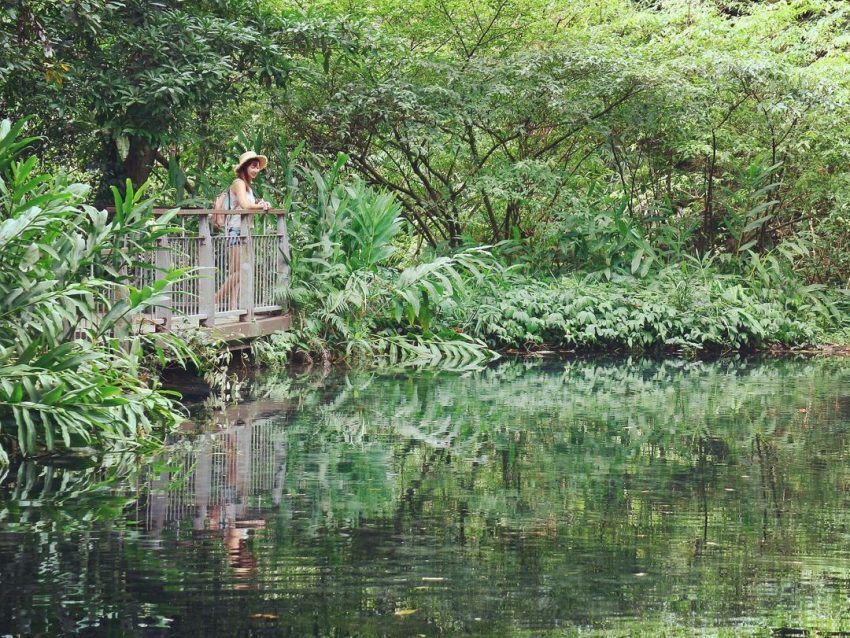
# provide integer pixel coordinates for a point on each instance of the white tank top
(235, 221)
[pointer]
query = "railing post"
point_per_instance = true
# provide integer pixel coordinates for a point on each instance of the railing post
(162, 263)
(246, 266)
(206, 267)
(282, 268)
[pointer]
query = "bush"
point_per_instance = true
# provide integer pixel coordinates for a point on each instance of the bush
(72, 372)
(683, 308)
(351, 300)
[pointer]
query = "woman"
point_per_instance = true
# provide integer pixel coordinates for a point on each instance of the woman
(240, 197)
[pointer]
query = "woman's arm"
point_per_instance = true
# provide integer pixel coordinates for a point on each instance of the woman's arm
(240, 190)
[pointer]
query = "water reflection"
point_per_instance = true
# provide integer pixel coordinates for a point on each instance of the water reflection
(225, 482)
(629, 497)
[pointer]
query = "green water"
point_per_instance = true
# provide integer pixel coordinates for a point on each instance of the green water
(601, 498)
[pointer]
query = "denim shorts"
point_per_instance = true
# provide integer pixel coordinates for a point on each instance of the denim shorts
(233, 236)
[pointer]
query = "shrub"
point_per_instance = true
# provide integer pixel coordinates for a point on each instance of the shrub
(683, 308)
(351, 302)
(72, 371)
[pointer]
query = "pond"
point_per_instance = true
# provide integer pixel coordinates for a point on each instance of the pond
(581, 497)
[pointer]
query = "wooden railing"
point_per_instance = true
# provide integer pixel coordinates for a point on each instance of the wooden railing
(235, 279)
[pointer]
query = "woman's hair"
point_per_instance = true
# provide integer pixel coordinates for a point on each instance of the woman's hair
(243, 170)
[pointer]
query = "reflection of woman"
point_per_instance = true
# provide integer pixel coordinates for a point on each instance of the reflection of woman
(239, 553)
(241, 197)
(236, 534)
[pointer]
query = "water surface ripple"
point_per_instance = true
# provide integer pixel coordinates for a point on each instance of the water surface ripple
(588, 498)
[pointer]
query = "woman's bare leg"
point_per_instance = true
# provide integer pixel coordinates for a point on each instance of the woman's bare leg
(230, 287)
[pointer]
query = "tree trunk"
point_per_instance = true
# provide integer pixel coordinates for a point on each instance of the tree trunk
(136, 166)
(139, 161)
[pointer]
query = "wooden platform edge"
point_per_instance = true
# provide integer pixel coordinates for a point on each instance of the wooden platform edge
(259, 327)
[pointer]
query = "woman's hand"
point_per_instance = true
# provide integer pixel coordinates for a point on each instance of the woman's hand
(264, 204)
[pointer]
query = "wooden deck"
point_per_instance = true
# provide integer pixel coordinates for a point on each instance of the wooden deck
(232, 290)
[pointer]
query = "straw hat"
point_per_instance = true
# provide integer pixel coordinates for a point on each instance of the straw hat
(247, 156)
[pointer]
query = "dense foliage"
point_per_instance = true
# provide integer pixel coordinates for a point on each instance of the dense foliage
(72, 363)
(680, 310)
(357, 297)
(696, 126)
(352, 298)
(118, 87)
(625, 158)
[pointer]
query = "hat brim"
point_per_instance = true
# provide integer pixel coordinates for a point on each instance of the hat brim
(264, 161)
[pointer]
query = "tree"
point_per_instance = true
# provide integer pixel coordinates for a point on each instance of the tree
(674, 110)
(131, 79)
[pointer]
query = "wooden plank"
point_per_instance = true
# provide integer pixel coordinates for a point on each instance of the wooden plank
(163, 264)
(195, 212)
(282, 267)
(246, 268)
(223, 315)
(251, 329)
(206, 272)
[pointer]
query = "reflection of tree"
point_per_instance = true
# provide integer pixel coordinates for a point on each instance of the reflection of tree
(530, 495)
(57, 544)
(593, 455)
